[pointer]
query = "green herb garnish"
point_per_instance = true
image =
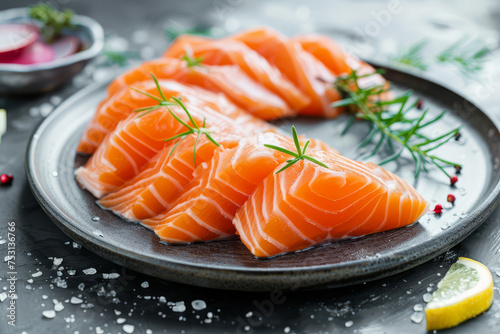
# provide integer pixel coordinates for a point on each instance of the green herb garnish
(467, 56)
(54, 21)
(299, 155)
(190, 60)
(172, 32)
(413, 56)
(393, 127)
(193, 128)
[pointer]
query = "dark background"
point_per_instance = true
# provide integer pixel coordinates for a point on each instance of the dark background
(382, 306)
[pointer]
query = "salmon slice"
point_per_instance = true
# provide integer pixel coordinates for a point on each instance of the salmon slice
(219, 188)
(230, 52)
(138, 139)
(119, 106)
(306, 205)
(155, 189)
(312, 77)
(338, 61)
(230, 80)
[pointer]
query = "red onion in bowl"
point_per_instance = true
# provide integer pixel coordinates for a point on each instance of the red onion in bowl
(15, 39)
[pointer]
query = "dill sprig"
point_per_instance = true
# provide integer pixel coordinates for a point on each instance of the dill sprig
(299, 155)
(413, 56)
(467, 57)
(393, 127)
(53, 20)
(192, 129)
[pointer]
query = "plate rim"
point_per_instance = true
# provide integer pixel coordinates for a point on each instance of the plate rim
(292, 275)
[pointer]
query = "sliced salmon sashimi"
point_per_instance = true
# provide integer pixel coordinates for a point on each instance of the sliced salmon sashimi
(307, 204)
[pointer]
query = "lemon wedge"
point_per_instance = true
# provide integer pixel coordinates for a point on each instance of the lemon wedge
(465, 292)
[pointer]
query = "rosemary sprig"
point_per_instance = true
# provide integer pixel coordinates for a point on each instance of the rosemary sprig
(413, 56)
(190, 60)
(53, 20)
(192, 129)
(467, 57)
(393, 127)
(173, 32)
(299, 155)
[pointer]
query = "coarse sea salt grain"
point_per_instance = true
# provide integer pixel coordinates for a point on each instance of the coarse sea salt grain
(57, 261)
(49, 314)
(89, 271)
(37, 274)
(129, 329)
(120, 320)
(198, 304)
(75, 300)
(145, 284)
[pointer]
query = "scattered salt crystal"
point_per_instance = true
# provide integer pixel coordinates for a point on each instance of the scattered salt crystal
(2, 241)
(149, 331)
(81, 286)
(58, 307)
(349, 323)
(110, 276)
(129, 329)
(29, 280)
(96, 219)
(447, 205)
(120, 320)
(89, 271)
(3, 296)
(418, 308)
(46, 109)
(145, 284)
(76, 245)
(34, 111)
(57, 261)
(118, 312)
(427, 297)
(45, 297)
(162, 299)
(249, 314)
(99, 330)
(179, 307)
(49, 314)
(198, 304)
(286, 330)
(37, 274)
(55, 100)
(71, 272)
(87, 306)
(210, 315)
(76, 300)
(417, 317)
(28, 287)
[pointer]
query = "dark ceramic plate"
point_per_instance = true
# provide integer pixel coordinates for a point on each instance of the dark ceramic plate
(228, 264)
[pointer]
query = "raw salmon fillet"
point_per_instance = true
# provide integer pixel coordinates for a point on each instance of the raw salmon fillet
(138, 139)
(310, 75)
(307, 205)
(119, 106)
(340, 62)
(219, 188)
(230, 52)
(229, 79)
(155, 189)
